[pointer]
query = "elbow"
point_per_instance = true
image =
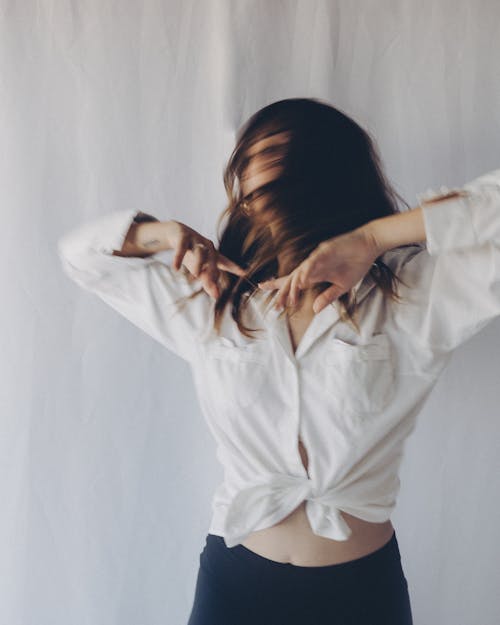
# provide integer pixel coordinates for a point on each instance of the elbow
(74, 262)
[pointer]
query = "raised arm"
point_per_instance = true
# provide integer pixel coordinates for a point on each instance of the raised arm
(113, 256)
(454, 282)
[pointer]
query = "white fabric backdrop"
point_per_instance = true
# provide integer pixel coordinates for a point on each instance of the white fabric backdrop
(107, 469)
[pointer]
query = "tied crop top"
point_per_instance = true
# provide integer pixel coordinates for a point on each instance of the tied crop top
(352, 398)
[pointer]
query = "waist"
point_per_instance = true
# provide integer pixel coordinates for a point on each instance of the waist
(292, 540)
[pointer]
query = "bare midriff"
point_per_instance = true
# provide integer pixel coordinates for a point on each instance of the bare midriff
(292, 539)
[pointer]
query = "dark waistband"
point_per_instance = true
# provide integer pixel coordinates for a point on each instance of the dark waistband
(385, 554)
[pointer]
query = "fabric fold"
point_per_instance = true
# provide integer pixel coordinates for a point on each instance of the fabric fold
(264, 504)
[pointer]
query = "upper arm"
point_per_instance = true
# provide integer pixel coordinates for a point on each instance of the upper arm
(453, 285)
(144, 290)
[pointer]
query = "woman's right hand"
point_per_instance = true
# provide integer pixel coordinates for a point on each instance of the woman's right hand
(199, 256)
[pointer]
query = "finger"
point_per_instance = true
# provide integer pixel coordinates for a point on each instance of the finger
(283, 292)
(179, 254)
(212, 272)
(294, 289)
(200, 255)
(273, 283)
(228, 265)
(208, 275)
(326, 297)
(210, 286)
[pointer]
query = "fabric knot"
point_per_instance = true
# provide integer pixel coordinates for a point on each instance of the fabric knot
(266, 503)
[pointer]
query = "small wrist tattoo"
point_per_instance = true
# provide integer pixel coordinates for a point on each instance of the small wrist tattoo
(151, 243)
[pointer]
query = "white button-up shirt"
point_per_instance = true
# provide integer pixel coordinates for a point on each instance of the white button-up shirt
(351, 398)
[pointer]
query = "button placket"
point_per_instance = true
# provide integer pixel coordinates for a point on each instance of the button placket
(297, 456)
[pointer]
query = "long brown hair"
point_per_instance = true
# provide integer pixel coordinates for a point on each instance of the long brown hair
(331, 181)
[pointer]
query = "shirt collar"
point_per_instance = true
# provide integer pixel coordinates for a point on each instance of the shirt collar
(319, 324)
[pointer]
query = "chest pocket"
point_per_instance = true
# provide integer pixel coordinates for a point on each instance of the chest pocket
(361, 376)
(235, 372)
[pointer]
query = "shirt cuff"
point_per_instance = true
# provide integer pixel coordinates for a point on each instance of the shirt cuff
(466, 221)
(113, 228)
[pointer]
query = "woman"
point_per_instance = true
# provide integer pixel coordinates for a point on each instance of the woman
(310, 366)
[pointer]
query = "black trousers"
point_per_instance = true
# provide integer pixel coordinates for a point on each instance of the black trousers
(236, 586)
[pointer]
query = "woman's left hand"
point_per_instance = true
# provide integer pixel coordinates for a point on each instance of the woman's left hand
(342, 260)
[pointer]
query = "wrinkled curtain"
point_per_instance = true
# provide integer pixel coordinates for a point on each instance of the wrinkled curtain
(107, 468)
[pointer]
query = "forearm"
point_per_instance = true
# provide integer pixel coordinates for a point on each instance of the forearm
(399, 229)
(403, 228)
(146, 238)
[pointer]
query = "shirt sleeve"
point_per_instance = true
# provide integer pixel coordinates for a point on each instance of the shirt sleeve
(142, 289)
(453, 283)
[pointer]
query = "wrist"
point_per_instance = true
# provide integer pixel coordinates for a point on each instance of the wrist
(394, 230)
(148, 236)
(168, 233)
(374, 234)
